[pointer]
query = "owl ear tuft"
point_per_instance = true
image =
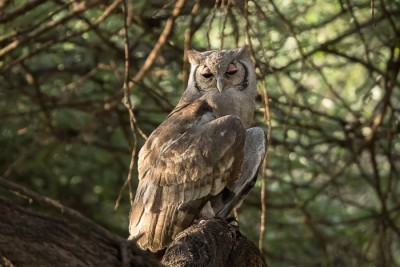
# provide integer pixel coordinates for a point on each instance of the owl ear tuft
(194, 57)
(243, 52)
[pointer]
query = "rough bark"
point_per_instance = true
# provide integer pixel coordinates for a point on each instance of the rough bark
(212, 243)
(31, 239)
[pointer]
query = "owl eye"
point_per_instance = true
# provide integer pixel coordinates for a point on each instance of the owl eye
(232, 69)
(232, 72)
(206, 73)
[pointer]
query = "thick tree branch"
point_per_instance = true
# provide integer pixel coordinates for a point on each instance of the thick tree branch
(212, 243)
(29, 239)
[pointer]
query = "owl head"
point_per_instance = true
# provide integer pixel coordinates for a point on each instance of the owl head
(221, 70)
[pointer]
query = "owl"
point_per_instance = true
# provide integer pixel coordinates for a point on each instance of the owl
(203, 159)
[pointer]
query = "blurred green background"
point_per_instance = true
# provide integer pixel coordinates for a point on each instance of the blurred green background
(330, 69)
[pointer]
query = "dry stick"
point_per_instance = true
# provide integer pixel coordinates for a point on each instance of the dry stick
(52, 24)
(360, 32)
(150, 59)
(222, 35)
(161, 41)
(235, 28)
(129, 178)
(147, 64)
(373, 11)
(34, 26)
(290, 29)
(76, 84)
(304, 57)
(39, 96)
(125, 88)
(388, 15)
(334, 176)
(52, 42)
(31, 150)
(210, 24)
(340, 37)
(187, 41)
(128, 105)
(267, 119)
(4, 17)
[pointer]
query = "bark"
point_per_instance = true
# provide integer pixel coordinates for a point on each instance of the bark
(31, 239)
(212, 243)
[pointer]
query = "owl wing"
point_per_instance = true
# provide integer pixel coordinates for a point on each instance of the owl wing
(254, 152)
(190, 158)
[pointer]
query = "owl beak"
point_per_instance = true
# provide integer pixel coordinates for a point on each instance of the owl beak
(220, 83)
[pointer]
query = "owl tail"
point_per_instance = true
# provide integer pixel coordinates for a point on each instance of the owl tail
(155, 230)
(152, 230)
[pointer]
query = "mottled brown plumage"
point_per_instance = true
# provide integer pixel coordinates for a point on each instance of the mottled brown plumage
(201, 161)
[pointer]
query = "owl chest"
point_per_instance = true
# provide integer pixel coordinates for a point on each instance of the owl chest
(233, 102)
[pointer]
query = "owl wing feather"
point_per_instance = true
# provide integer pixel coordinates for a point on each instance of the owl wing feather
(254, 152)
(191, 157)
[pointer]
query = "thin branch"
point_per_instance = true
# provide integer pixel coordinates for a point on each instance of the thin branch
(6, 16)
(128, 104)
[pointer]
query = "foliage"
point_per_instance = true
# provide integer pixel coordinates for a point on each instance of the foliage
(330, 69)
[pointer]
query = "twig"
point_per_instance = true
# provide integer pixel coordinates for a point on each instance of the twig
(187, 41)
(52, 42)
(267, 120)
(161, 41)
(4, 17)
(128, 104)
(210, 24)
(223, 26)
(48, 27)
(152, 56)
